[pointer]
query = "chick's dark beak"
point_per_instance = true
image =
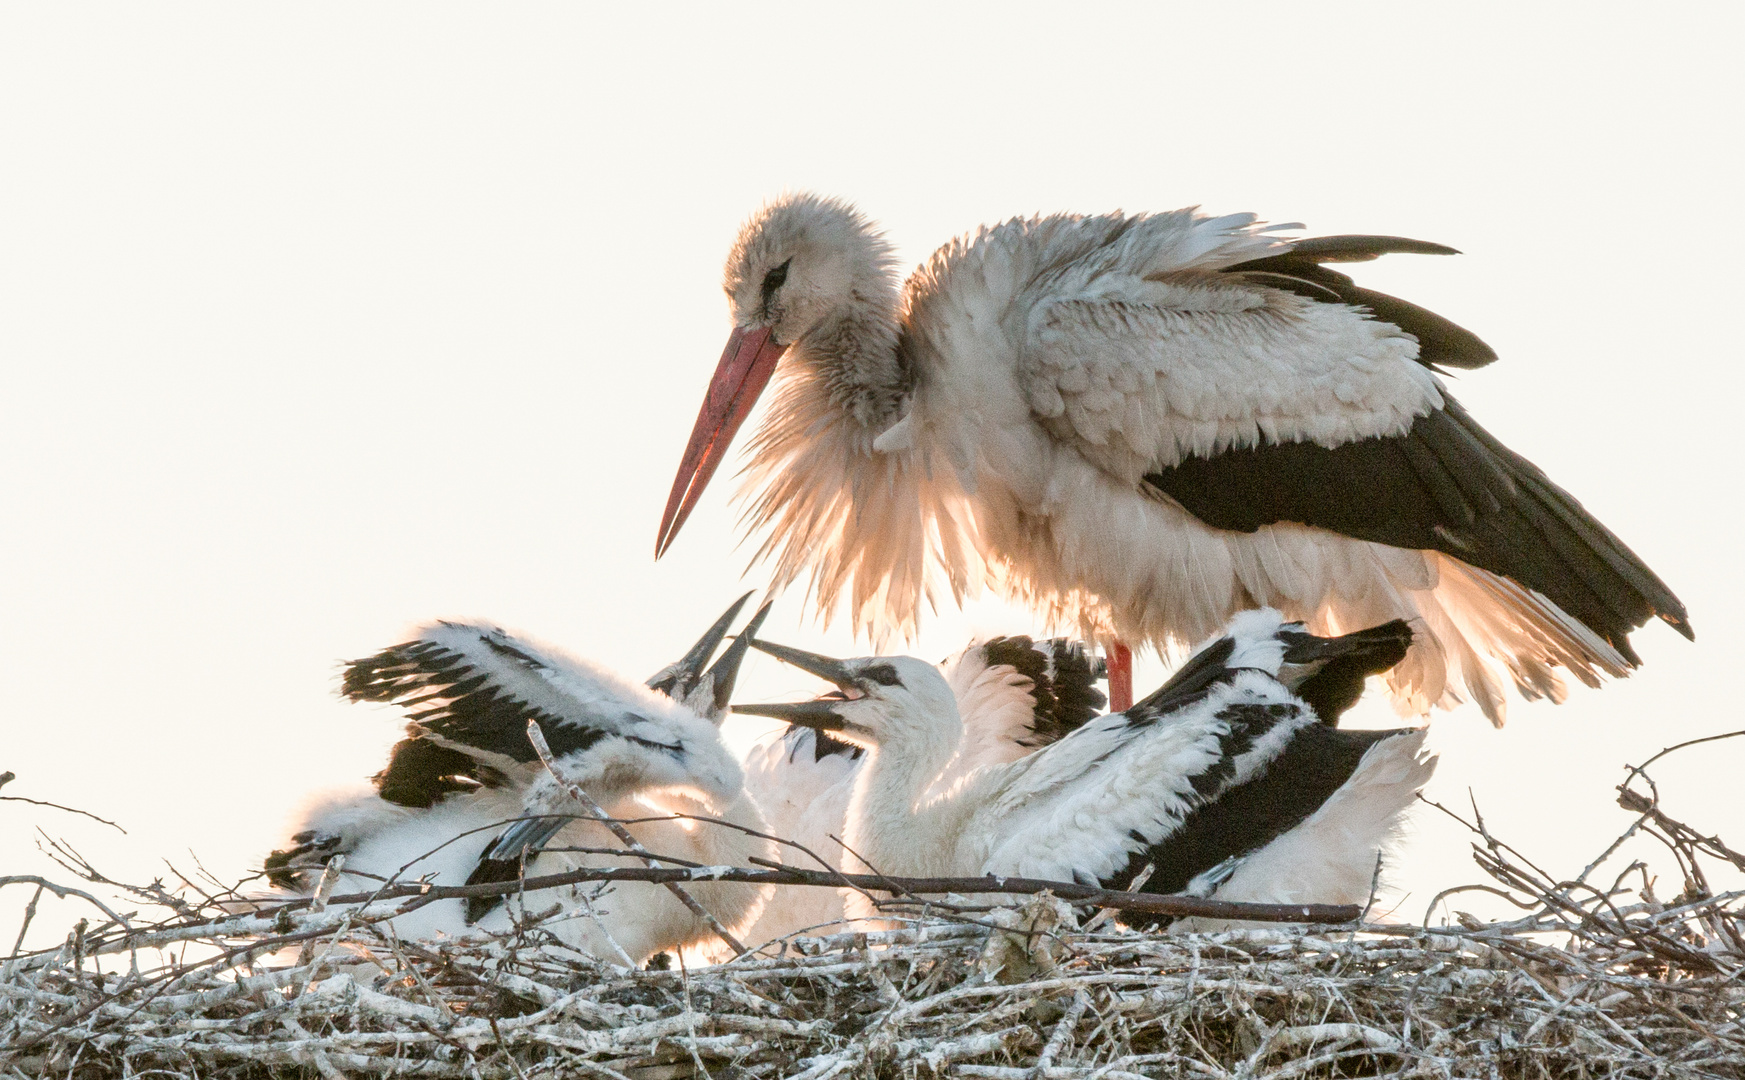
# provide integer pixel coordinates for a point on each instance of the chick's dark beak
(822, 666)
(677, 678)
(820, 715)
(726, 670)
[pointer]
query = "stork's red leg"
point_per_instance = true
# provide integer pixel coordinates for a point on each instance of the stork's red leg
(1120, 662)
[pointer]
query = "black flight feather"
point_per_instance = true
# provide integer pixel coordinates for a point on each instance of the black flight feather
(1204, 671)
(446, 697)
(1441, 343)
(1445, 485)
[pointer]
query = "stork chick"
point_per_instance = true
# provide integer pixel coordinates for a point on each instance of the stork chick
(1223, 782)
(1013, 694)
(465, 799)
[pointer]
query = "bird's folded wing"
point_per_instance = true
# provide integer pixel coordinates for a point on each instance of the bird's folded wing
(475, 688)
(1142, 373)
(1075, 809)
(1444, 484)
(1184, 793)
(1120, 740)
(1242, 816)
(1323, 816)
(1249, 406)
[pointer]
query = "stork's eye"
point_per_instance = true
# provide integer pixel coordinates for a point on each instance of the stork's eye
(775, 279)
(883, 674)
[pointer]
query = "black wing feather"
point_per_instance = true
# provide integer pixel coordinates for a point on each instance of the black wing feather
(1063, 677)
(1231, 822)
(1077, 700)
(490, 871)
(1441, 343)
(1445, 485)
(1204, 671)
(445, 696)
(1359, 247)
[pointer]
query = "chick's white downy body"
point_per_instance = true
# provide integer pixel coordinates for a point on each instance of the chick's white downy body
(1014, 694)
(444, 844)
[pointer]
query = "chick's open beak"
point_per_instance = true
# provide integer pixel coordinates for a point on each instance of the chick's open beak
(824, 667)
(820, 715)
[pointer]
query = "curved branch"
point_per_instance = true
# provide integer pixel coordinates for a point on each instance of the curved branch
(63, 891)
(1146, 903)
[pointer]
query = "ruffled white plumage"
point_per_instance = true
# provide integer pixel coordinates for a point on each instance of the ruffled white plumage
(442, 844)
(1040, 370)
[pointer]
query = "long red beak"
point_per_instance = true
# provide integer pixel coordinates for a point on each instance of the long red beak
(745, 369)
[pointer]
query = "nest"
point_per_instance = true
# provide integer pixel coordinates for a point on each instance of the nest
(1591, 980)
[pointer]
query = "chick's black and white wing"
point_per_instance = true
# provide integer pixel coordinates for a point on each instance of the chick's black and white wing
(470, 691)
(1217, 765)
(474, 688)
(1016, 694)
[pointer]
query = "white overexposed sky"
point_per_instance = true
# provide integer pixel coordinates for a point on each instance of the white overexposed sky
(318, 321)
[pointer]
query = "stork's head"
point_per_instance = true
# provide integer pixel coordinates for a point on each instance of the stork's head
(807, 273)
(803, 261)
(878, 700)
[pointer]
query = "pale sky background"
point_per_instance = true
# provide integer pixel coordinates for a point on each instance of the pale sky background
(320, 321)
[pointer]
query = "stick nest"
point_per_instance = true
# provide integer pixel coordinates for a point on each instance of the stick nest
(1592, 980)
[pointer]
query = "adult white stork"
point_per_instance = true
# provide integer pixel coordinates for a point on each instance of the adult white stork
(1145, 424)
(1230, 780)
(465, 798)
(1013, 695)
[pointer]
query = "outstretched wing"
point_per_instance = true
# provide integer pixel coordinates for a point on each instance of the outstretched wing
(1016, 694)
(470, 690)
(473, 688)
